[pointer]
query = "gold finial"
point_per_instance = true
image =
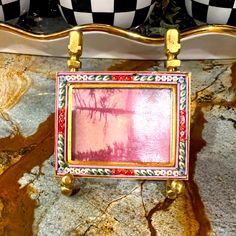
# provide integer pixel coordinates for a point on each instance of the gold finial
(174, 188)
(172, 46)
(75, 50)
(67, 184)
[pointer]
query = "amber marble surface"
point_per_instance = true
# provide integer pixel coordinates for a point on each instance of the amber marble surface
(30, 198)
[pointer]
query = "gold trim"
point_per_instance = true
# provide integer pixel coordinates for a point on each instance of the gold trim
(123, 177)
(189, 77)
(69, 125)
(80, 85)
(208, 29)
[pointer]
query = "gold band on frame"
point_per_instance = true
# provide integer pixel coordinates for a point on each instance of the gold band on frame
(120, 85)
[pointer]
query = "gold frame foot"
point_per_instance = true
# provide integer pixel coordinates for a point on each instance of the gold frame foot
(174, 188)
(67, 184)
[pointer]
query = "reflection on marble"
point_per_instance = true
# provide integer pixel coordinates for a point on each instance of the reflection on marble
(28, 111)
(30, 198)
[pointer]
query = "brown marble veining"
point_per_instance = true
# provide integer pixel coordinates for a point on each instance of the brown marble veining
(132, 65)
(14, 84)
(187, 215)
(17, 207)
(196, 144)
(233, 83)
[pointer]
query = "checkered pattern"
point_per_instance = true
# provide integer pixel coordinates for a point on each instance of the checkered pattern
(11, 9)
(212, 11)
(119, 13)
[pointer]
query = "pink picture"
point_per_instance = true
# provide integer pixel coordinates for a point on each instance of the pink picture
(126, 125)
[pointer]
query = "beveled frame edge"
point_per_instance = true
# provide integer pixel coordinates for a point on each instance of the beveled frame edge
(122, 84)
(184, 81)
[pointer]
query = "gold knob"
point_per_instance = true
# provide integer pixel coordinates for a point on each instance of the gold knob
(67, 183)
(174, 188)
(75, 50)
(172, 47)
(66, 191)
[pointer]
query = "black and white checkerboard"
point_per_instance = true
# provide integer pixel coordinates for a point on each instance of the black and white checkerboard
(119, 13)
(11, 9)
(212, 11)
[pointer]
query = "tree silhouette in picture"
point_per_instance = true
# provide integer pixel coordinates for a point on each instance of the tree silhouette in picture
(129, 124)
(101, 104)
(98, 105)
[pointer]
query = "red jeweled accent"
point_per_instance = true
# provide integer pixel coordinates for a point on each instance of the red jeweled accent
(182, 127)
(122, 77)
(122, 172)
(61, 120)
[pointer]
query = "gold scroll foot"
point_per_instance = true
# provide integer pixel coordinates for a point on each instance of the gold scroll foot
(172, 47)
(67, 184)
(174, 188)
(75, 50)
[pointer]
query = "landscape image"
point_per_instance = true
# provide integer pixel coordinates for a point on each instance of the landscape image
(121, 125)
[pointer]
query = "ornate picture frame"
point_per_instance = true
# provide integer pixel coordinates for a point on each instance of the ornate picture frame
(122, 125)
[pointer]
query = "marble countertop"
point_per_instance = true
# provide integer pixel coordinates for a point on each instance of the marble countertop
(30, 199)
